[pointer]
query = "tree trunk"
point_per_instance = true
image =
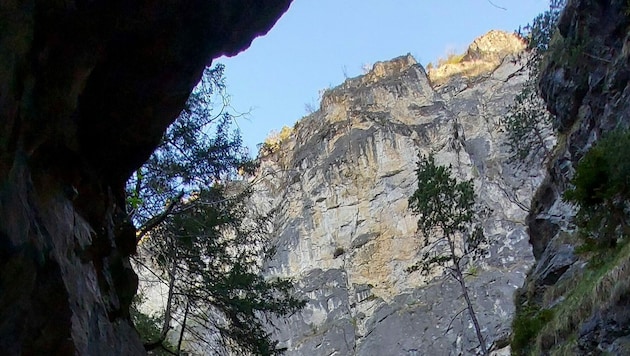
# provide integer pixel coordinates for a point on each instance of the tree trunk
(181, 333)
(167, 313)
(471, 311)
(169, 302)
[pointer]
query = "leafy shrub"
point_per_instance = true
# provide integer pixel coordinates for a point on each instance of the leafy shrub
(601, 189)
(527, 323)
(527, 125)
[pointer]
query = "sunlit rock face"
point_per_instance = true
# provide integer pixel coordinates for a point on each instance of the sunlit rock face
(339, 186)
(87, 89)
(483, 56)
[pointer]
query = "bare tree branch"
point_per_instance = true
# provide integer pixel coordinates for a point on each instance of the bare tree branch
(497, 6)
(157, 220)
(448, 328)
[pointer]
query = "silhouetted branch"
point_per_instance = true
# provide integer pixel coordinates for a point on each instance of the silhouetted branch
(497, 6)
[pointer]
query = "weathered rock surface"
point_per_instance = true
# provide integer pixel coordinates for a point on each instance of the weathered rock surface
(482, 56)
(86, 91)
(586, 84)
(340, 184)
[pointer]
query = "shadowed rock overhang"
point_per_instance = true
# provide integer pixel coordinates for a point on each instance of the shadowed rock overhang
(86, 90)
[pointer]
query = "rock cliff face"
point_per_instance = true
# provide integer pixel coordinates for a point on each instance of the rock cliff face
(87, 89)
(339, 186)
(586, 85)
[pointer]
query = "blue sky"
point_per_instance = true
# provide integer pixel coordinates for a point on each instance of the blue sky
(317, 41)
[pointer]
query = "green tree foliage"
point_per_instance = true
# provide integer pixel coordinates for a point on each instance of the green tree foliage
(190, 209)
(540, 33)
(527, 323)
(447, 219)
(601, 189)
(528, 122)
(149, 327)
(527, 125)
(197, 150)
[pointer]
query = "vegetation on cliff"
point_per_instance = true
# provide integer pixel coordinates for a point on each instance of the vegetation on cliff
(528, 124)
(274, 141)
(580, 305)
(203, 246)
(601, 190)
(446, 208)
(483, 56)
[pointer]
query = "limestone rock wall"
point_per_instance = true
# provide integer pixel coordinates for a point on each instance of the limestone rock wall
(586, 85)
(339, 187)
(86, 90)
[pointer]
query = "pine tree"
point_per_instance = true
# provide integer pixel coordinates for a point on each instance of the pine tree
(190, 209)
(446, 218)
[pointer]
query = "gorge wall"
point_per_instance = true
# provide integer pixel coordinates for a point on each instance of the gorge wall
(86, 90)
(338, 185)
(585, 82)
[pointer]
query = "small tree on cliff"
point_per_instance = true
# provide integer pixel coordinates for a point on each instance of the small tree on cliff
(446, 210)
(190, 210)
(528, 125)
(527, 122)
(601, 190)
